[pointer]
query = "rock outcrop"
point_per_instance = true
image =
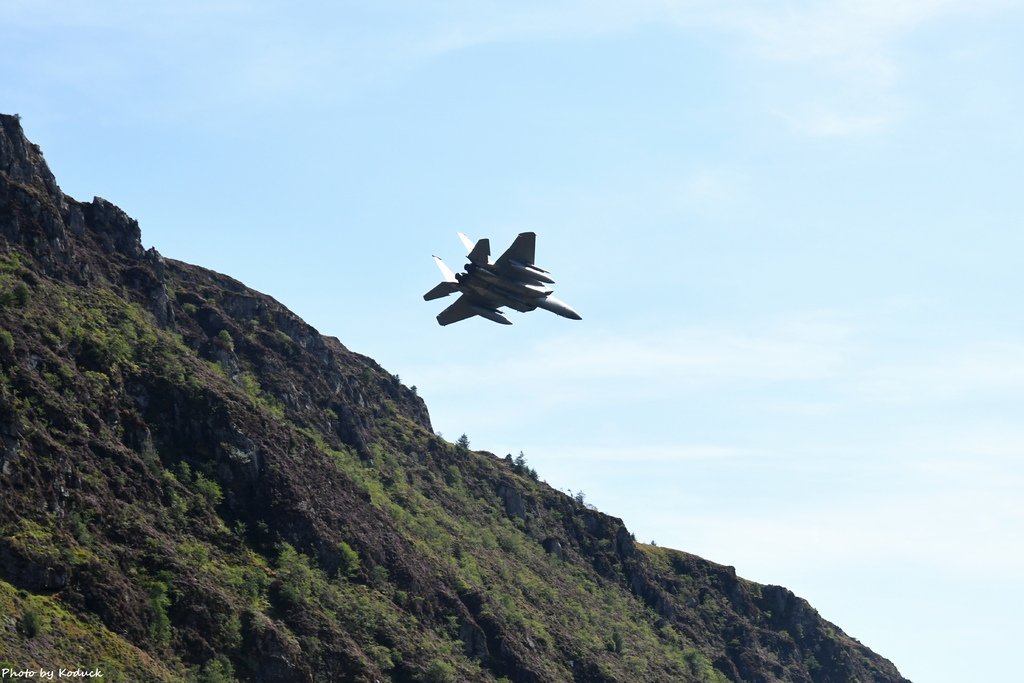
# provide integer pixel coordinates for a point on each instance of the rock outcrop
(198, 485)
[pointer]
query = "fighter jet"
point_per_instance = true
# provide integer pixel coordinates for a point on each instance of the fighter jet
(513, 281)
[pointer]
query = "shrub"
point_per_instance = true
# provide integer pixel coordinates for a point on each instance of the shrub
(6, 342)
(378, 576)
(250, 385)
(217, 670)
(349, 563)
(617, 642)
(79, 528)
(159, 601)
(298, 580)
(440, 671)
(208, 489)
(225, 341)
(22, 295)
(30, 624)
(19, 295)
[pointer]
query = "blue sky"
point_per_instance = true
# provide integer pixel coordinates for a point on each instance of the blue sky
(793, 231)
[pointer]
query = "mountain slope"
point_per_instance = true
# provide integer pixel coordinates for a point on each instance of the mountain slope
(196, 484)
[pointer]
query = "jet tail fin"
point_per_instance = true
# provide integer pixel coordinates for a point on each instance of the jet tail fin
(446, 272)
(479, 252)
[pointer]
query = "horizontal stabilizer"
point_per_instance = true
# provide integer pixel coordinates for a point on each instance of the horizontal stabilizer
(442, 289)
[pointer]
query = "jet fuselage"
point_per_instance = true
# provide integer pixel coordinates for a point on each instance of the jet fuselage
(513, 281)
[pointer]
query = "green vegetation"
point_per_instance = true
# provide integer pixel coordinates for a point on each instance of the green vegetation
(348, 565)
(29, 624)
(232, 494)
(519, 466)
(208, 489)
(224, 340)
(251, 387)
(440, 671)
(217, 670)
(47, 635)
(14, 292)
(6, 342)
(160, 624)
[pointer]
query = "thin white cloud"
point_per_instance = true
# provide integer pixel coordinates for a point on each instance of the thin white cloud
(667, 359)
(971, 530)
(943, 499)
(640, 454)
(707, 191)
(977, 369)
(844, 52)
(838, 367)
(854, 34)
(120, 15)
(229, 53)
(818, 122)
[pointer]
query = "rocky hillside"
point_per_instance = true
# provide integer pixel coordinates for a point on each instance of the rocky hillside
(196, 485)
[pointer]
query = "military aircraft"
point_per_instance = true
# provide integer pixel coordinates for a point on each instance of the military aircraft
(513, 281)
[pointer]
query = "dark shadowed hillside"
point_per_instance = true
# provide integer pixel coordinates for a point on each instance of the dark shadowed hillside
(197, 485)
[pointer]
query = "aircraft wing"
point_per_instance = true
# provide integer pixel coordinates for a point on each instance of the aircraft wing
(521, 251)
(466, 306)
(460, 310)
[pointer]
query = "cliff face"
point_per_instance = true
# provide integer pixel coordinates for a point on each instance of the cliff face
(196, 484)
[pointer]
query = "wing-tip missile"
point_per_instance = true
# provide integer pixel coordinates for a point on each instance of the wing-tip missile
(531, 271)
(559, 307)
(491, 314)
